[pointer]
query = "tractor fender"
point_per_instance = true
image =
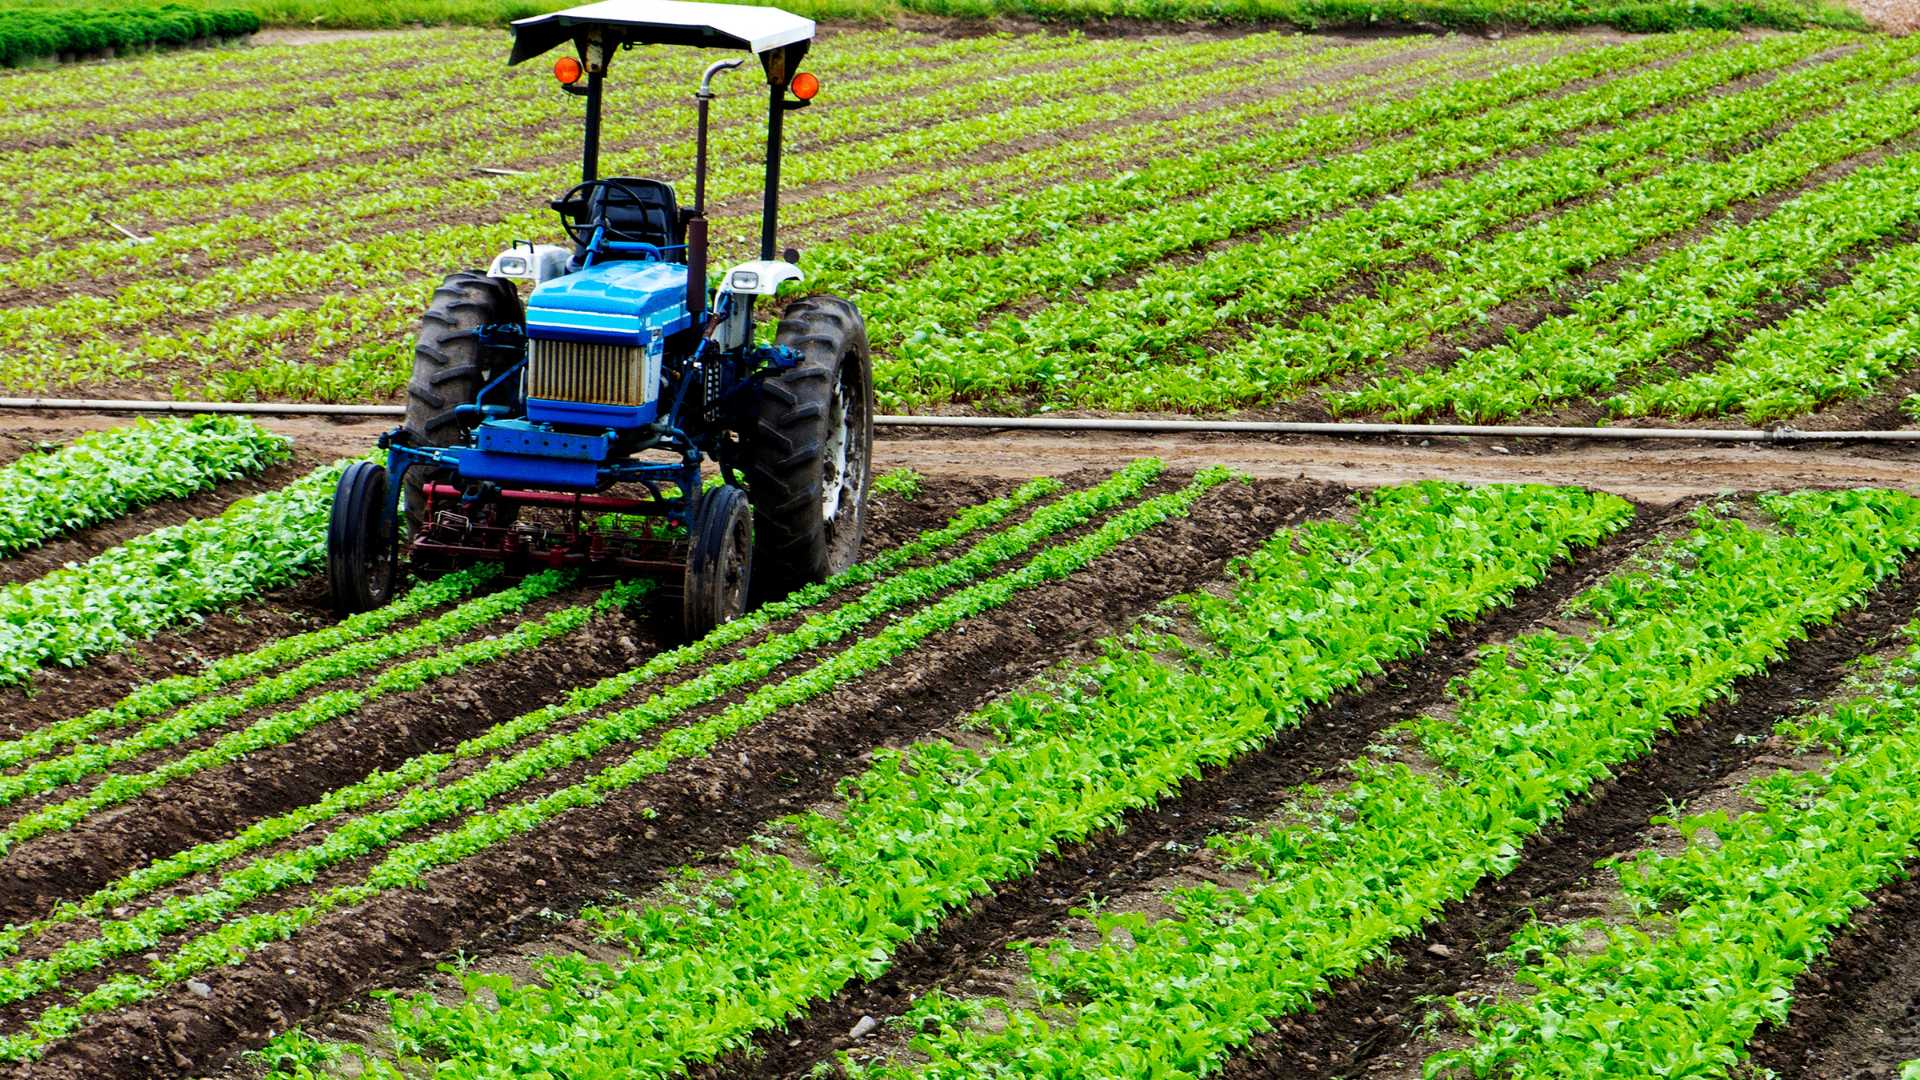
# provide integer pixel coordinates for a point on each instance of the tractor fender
(762, 277)
(530, 262)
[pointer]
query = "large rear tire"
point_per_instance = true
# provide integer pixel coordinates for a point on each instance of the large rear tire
(811, 445)
(361, 558)
(450, 367)
(719, 562)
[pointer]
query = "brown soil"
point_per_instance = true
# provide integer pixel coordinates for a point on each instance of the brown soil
(84, 544)
(1899, 16)
(1151, 844)
(56, 693)
(221, 801)
(703, 806)
(1369, 1017)
(1856, 1014)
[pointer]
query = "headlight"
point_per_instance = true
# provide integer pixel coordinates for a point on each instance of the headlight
(513, 266)
(745, 280)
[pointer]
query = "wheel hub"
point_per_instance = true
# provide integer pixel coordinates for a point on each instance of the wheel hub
(833, 461)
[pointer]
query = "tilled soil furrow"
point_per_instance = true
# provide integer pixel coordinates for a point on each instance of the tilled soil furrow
(1372, 1015)
(221, 801)
(1856, 1014)
(1153, 843)
(1529, 312)
(703, 805)
(58, 693)
(83, 544)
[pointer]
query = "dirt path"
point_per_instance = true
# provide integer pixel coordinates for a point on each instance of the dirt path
(1648, 472)
(1899, 16)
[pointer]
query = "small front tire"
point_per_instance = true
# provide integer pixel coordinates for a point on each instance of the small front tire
(719, 562)
(362, 562)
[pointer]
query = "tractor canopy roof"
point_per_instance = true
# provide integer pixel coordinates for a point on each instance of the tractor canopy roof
(662, 22)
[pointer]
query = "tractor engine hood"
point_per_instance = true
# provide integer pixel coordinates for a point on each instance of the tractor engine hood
(627, 302)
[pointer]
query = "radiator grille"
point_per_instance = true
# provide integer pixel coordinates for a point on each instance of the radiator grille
(598, 374)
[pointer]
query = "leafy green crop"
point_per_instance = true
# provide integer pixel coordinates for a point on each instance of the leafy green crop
(166, 576)
(154, 698)
(477, 830)
(104, 474)
(929, 828)
(901, 483)
(1722, 928)
(1538, 722)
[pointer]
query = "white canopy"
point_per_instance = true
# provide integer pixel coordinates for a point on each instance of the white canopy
(664, 22)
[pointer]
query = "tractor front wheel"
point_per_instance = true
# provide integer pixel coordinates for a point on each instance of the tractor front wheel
(360, 542)
(719, 562)
(811, 448)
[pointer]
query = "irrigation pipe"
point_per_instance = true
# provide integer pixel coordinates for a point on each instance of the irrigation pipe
(1770, 436)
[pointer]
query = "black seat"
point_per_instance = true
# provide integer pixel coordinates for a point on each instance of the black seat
(640, 209)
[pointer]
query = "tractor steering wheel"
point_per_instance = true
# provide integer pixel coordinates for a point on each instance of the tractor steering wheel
(576, 212)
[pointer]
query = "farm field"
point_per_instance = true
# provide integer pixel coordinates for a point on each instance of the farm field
(1109, 756)
(1259, 770)
(1699, 228)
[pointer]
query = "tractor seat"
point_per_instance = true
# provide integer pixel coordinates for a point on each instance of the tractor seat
(650, 213)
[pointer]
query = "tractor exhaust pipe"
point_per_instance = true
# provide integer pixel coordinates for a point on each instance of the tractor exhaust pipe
(697, 220)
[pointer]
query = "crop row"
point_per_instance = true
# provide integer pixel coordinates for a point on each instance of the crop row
(102, 475)
(1844, 347)
(1417, 306)
(1275, 350)
(1687, 296)
(73, 333)
(345, 124)
(272, 730)
(380, 314)
(155, 698)
(913, 315)
(925, 830)
(425, 806)
(527, 126)
(220, 239)
(386, 148)
(160, 578)
(1098, 355)
(873, 107)
(430, 768)
(384, 313)
(1721, 928)
(1535, 725)
(195, 85)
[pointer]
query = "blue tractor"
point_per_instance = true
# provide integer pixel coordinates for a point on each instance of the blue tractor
(573, 427)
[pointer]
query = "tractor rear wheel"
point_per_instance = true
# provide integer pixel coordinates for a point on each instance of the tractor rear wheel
(450, 367)
(361, 558)
(719, 562)
(811, 449)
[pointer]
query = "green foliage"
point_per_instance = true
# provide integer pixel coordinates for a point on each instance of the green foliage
(1725, 925)
(166, 576)
(154, 698)
(929, 828)
(426, 804)
(1535, 725)
(902, 483)
(103, 475)
(1642, 16)
(42, 29)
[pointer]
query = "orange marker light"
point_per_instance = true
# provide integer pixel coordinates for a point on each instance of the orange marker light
(567, 70)
(805, 85)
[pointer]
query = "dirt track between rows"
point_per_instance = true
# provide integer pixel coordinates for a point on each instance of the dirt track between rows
(1653, 472)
